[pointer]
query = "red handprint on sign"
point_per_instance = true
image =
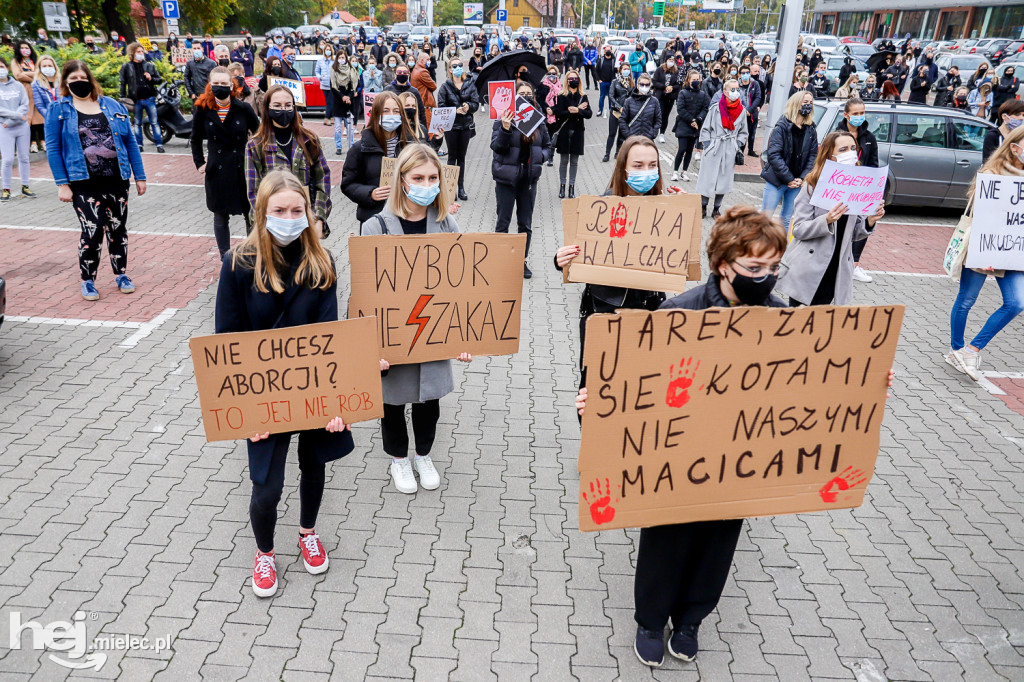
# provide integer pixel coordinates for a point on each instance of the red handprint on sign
(600, 500)
(849, 478)
(617, 223)
(678, 394)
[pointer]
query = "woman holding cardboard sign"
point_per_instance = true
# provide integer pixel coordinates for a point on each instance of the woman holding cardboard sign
(818, 266)
(416, 204)
(281, 276)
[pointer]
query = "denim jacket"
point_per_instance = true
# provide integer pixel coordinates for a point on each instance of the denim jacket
(64, 145)
(322, 72)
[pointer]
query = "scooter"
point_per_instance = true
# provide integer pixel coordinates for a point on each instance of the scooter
(168, 114)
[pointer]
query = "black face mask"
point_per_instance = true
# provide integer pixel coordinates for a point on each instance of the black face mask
(695, 85)
(282, 117)
(402, 78)
(221, 92)
(80, 89)
(750, 290)
(411, 114)
(275, 70)
(223, 62)
(573, 82)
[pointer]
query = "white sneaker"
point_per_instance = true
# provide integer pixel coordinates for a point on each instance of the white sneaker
(966, 362)
(401, 474)
(429, 478)
(661, 138)
(686, 178)
(675, 176)
(860, 275)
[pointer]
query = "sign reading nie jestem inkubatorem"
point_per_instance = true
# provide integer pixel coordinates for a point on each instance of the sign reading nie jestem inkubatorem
(861, 188)
(288, 379)
(997, 227)
(637, 242)
(730, 413)
(439, 295)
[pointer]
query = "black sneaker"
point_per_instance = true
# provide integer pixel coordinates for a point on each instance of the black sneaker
(26, 192)
(161, 149)
(605, 159)
(683, 643)
(527, 273)
(649, 647)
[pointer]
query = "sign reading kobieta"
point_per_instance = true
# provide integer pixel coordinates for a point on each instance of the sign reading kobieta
(288, 379)
(636, 242)
(731, 413)
(438, 295)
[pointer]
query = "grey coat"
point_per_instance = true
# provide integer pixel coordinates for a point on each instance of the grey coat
(718, 160)
(808, 255)
(415, 383)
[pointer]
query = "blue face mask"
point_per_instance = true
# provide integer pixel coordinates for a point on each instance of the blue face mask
(286, 230)
(458, 71)
(424, 196)
(856, 121)
(198, 54)
(391, 122)
(641, 182)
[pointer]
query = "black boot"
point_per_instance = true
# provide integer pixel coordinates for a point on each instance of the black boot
(717, 212)
(527, 273)
(561, 191)
(605, 159)
(704, 211)
(462, 195)
(572, 191)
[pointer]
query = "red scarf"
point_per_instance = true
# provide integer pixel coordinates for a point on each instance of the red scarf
(731, 111)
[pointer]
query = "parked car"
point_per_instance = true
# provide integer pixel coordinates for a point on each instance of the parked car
(305, 65)
(400, 30)
(283, 30)
(853, 40)
(967, 63)
(622, 56)
(342, 32)
(420, 33)
(832, 67)
(372, 33)
(859, 51)
(307, 30)
(461, 34)
(933, 153)
(1008, 50)
(827, 44)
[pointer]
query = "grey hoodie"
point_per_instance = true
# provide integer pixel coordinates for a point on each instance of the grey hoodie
(13, 102)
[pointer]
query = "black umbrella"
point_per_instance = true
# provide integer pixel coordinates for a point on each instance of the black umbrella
(505, 67)
(878, 58)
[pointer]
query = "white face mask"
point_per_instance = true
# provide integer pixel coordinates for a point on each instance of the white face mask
(847, 158)
(3, 74)
(733, 95)
(644, 89)
(48, 71)
(286, 230)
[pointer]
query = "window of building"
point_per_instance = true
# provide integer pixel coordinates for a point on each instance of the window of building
(515, 3)
(1005, 21)
(526, 21)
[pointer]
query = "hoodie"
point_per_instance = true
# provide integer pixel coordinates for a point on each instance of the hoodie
(13, 102)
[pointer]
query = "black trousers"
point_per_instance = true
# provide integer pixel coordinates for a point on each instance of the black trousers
(424, 427)
(458, 146)
(667, 102)
(718, 201)
(752, 129)
(858, 249)
(222, 230)
(101, 207)
(681, 571)
(590, 71)
(613, 132)
(522, 196)
(684, 153)
(264, 499)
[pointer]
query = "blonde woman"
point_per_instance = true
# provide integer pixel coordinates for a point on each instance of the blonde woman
(851, 88)
(416, 205)
(281, 276)
(790, 154)
(46, 86)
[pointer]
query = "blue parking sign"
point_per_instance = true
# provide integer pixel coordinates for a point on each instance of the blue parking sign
(170, 8)
(502, 16)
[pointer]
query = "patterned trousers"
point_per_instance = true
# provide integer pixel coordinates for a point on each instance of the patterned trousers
(102, 207)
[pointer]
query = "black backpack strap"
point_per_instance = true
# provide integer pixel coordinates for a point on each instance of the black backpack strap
(383, 226)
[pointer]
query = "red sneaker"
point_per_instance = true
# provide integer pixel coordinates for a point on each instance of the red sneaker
(313, 554)
(264, 575)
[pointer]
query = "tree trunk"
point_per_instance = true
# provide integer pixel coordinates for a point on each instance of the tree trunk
(147, 9)
(115, 21)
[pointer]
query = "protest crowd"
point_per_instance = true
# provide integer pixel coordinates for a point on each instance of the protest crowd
(413, 111)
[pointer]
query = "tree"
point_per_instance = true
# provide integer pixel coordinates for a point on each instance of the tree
(447, 12)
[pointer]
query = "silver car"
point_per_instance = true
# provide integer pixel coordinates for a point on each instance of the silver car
(933, 153)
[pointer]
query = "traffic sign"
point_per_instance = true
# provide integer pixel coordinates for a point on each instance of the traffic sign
(56, 15)
(502, 16)
(659, 9)
(172, 25)
(170, 8)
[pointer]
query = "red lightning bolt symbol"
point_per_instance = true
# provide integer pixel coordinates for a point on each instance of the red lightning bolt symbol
(414, 317)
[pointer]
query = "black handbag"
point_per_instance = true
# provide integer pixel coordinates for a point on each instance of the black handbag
(739, 157)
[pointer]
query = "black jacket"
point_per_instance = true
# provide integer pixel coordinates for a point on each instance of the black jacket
(197, 75)
(711, 86)
(780, 147)
(993, 138)
(449, 96)
(867, 144)
(617, 95)
(129, 83)
(1004, 90)
(241, 308)
(942, 92)
(361, 175)
(570, 135)
(661, 80)
(606, 69)
(507, 144)
(225, 162)
(919, 87)
(818, 84)
(709, 295)
(690, 106)
(574, 59)
(871, 96)
(641, 115)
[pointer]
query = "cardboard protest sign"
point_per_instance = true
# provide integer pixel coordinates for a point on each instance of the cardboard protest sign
(288, 379)
(501, 96)
(439, 295)
(297, 88)
(861, 188)
(180, 56)
(637, 242)
(997, 228)
(146, 44)
(441, 119)
(451, 175)
(527, 117)
(731, 412)
(368, 98)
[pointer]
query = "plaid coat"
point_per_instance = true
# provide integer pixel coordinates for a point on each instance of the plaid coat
(316, 177)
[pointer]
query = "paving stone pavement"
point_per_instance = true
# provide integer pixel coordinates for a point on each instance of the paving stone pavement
(113, 504)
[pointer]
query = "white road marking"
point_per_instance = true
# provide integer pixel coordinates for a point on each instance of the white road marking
(992, 388)
(904, 274)
(147, 328)
(134, 232)
(142, 329)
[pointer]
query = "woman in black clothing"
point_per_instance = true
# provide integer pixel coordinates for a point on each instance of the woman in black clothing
(920, 84)
(870, 91)
(574, 57)
(387, 132)
(477, 61)
(617, 94)
(281, 276)
(572, 109)
(666, 83)
(691, 109)
(459, 92)
(516, 167)
(225, 122)
(959, 100)
(641, 112)
(1002, 91)
(816, 59)
(854, 123)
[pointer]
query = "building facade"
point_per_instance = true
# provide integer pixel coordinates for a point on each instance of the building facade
(922, 19)
(535, 14)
